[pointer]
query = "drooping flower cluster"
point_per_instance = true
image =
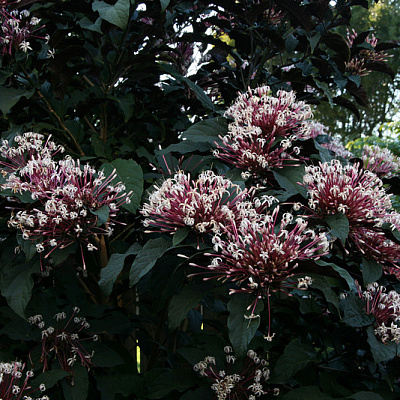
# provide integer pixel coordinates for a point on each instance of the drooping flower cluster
(70, 198)
(259, 257)
(205, 204)
(381, 161)
(385, 307)
(350, 190)
(264, 128)
(63, 341)
(17, 28)
(14, 383)
(246, 383)
(358, 64)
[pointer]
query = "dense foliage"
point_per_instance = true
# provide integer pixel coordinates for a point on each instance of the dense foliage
(174, 222)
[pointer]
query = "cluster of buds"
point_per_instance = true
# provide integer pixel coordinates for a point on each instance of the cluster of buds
(69, 198)
(385, 307)
(14, 383)
(64, 341)
(381, 161)
(358, 64)
(17, 28)
(246, 383)
(350, 190)
(259, 257)
(205, 204)
(263, 130)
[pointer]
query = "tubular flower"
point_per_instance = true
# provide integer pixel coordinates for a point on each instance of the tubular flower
(17, 28)
(69, 198)
(264, 128)
(259, 258)
(349, 189)
(247, 383)
(385, 307)
(381, 161)
(14, 383)
(205, 204)
(358, 64)
(63, 341)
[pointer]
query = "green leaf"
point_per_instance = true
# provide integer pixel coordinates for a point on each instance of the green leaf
(86, 23)
(80, 389)
(295, 357)
(49, 378)
(381, 351)
(109, 274)
(339, 225)
(180, 235)
(206, 131)
(314, 40)
(164, 4)
(366, 396)
(354, 312)
(125, 384)
(371, 270)
(289, 179)
(10, 96)
(131, 175)
(188, 298)
(356, 79)
(28, 247)
(186, 146)
(105, 357)
(241, 329)
(307, 393)
(16, 285)
(117, 14)
(321, 283)
(146, 259)
(200, 393)
(291, 43)
(103, 214)
(341, 271)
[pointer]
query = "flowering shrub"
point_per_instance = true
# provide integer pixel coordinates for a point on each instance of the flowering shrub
(163, 173)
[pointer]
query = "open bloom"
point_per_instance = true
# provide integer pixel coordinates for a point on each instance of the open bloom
(14, 383)
(64, 340)
(349, 190)
(260, 257)
(72, 203)
(204, 204)
(385, 307)
(264, 129)
(17, 28)
(360, 59)
(381, 161)
(246, 383)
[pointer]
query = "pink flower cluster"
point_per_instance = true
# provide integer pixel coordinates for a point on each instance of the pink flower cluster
(259, 257)
(385, 307)
(263, 130)
(17, 28)
(358, 64)
(68, 197)
(205, 204)
(381, 161)
(64, 341)
(14, 383)
(245, 384)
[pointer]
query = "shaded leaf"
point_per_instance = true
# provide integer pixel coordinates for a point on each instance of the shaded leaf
(341, 271)
(381, 351)
(342, 101)
(146, 259)
(366, 396)
(180, 235)
(371, 271)
(307, 393)
(339, 225)
(354, 313)
(80, 389)
(109, 274)
(10, 96)
(206, 131)
(241, 329)
(295, 357)
(102, 214)
(180, 304)
(49, 378)
(321, 283)
(289, 178)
